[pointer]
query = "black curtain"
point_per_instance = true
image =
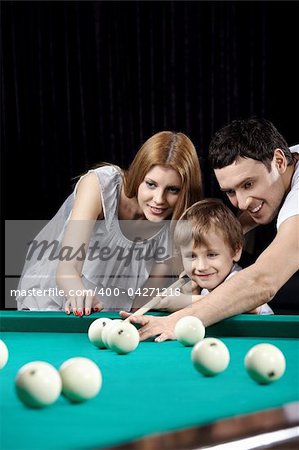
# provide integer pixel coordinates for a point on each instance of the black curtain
(84, 82)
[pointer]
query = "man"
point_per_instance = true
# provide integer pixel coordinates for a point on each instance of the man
(260, 176)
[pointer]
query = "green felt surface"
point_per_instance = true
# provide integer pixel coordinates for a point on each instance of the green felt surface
(154, 389)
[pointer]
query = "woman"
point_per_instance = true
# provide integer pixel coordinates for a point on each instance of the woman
(111, 235)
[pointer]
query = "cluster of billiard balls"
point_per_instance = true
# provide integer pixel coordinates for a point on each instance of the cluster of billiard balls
(117, 335)
(39, 384)
(264, 362)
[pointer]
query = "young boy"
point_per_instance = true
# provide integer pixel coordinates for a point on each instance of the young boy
(210, 240)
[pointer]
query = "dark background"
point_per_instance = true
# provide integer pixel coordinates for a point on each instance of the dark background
(84, 82)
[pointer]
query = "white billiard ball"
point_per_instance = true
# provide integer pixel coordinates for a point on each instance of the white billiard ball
(81, 379)
(123, 338)
(107, 330)
(38, 384)
(189, 330)
(210, 356)
(265, 363)
(95, 331)
(3, 354)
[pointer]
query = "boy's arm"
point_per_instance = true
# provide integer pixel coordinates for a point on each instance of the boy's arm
(247, 290)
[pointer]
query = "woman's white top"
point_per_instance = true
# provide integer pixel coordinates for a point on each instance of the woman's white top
(112, 261)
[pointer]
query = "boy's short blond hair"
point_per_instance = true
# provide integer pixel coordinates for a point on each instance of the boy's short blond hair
(205, 216)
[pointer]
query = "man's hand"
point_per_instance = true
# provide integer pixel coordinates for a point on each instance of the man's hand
(162, 327)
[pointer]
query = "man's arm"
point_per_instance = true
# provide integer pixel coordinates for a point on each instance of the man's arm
(247, 290)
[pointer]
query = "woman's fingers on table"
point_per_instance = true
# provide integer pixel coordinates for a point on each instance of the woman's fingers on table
(67, 306)
(77, 303)
(81, 305)
(92, 304)
(72, 305)
(98, 306)
(88, 301)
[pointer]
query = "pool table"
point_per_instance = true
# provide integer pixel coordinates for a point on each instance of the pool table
(152, 398)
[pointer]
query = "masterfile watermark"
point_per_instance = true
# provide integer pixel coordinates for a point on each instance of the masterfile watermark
(54, 251)
(121, 260)
(36, 292)
(121, 241)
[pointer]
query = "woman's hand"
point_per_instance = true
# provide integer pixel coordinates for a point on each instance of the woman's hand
(81, 305)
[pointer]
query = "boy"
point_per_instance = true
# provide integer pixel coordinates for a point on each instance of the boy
(210, 248)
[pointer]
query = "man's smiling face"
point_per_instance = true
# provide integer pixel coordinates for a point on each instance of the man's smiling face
(253, 187)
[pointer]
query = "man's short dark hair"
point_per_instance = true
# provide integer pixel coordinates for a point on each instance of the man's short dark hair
(251, 138)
